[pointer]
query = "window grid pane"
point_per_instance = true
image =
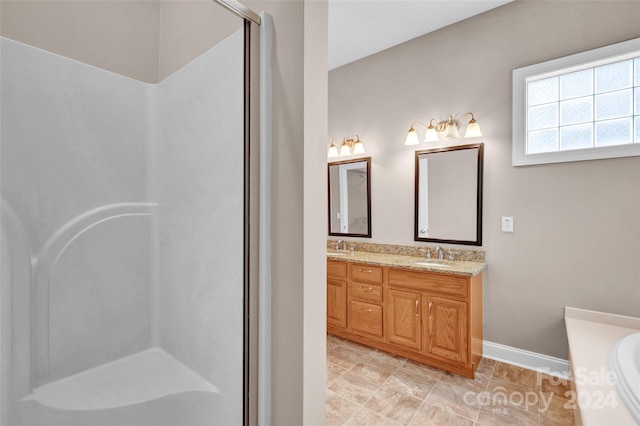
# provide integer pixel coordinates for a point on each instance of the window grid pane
(614, 132)
(614, 76)
(594, 107)
(614, 104)
(576, 137)
(542, 141)
(543, 91)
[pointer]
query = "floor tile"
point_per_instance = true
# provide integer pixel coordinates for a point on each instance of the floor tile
(461, 401)
(333, 342)
(505, 393)
(357, 347)
(437, 415)
(344, 357)
(398, 406)
(370, 387)
(557, 412)
(479, 384)
(519, 376)
(411, 382)
(373, 371)
(334, 372)
(553, 384)
(339, 409)
(366, 417)
(355, 387)
(486, 367)
(506, 415)
(425, 370)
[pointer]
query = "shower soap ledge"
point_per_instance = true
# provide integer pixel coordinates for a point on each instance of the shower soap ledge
(137, 378)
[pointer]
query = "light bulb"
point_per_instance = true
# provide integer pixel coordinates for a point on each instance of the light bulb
(473, 130)
(431, 135)
(358, 148)
(451, 130)
(412, 138)
(333, 151)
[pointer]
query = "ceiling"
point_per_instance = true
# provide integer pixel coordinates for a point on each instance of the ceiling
(359, 28)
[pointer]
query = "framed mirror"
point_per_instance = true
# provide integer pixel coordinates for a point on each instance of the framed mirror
(448, 195)
(350, 198)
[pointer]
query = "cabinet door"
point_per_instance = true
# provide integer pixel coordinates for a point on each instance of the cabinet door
(445, 333)
(403, 319)
(337, 303)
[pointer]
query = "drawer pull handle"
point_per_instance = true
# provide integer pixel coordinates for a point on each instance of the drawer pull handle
(365, 310)
(430, 303)
(368, 271)
(367, 289)
(417, 313)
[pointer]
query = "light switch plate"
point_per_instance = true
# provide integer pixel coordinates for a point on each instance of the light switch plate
(507, 224)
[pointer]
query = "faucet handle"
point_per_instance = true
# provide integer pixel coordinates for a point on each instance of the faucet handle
(427, 252)
(452, 255)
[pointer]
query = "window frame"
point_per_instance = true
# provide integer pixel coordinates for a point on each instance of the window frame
(580, 61)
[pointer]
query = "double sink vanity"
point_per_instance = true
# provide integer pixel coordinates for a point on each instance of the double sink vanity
(426, 310)
(398, 298)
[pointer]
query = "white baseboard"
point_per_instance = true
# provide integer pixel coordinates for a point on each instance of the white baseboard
(525, 359)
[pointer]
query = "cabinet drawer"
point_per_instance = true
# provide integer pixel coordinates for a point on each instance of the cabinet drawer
(336, 269)
(450, 285)
(366, 292)
(366, 273)
(365, 319)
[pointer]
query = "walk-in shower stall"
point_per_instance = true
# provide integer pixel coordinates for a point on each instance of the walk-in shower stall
(127, 224)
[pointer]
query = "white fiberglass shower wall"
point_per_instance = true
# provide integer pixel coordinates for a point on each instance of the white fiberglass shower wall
(121, 299)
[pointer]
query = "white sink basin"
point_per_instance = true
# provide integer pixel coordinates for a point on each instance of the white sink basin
(432, 264)
(624, 360)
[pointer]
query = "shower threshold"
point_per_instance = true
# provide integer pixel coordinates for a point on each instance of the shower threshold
(137, 378)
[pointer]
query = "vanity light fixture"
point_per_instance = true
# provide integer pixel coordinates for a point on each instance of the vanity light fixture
(347, 147)
(446, 129)
(333, 150)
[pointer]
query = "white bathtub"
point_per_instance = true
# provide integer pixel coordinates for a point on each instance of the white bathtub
(624, 360)
(591, 336)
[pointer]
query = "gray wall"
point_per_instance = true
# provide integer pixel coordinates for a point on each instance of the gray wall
(577, 225)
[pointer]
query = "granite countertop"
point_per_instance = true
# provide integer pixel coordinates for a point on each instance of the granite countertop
(457, 267)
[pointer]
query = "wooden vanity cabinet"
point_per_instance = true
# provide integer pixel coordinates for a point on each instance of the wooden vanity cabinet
(434, 318)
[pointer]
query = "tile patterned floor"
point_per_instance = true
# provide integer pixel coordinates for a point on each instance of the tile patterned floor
(369, 387)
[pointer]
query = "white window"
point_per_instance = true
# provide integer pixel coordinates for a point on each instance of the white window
(580, 107)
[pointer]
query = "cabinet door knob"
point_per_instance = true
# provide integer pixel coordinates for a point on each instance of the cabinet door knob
(417, 312)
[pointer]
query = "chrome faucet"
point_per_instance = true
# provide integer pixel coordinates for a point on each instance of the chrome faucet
(344, 244)
(440, 253)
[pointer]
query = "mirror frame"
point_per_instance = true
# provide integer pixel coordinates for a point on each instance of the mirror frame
(355, 160)
(478, 240)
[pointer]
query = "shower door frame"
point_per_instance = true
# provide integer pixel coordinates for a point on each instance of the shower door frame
(253, 217)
